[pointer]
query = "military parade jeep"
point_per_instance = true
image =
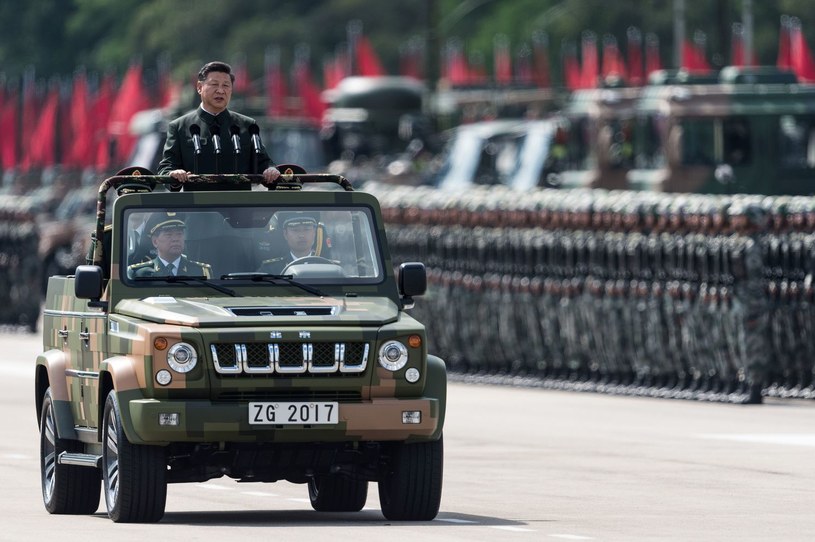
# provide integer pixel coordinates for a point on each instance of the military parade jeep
(311, 372)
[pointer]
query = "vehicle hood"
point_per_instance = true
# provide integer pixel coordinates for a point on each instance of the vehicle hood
(261, 311)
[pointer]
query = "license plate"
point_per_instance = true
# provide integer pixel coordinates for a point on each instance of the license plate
(293, 413)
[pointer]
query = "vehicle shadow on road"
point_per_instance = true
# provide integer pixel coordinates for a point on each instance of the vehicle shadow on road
(289, 518)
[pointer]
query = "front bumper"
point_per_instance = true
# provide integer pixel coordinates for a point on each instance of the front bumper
(205, 421)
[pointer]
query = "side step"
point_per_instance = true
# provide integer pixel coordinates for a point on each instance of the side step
(80, 460)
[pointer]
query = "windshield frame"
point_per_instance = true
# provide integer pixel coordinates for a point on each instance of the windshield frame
(372, 244)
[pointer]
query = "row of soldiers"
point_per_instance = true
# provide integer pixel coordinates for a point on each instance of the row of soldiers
(20, 266)
(693, 296)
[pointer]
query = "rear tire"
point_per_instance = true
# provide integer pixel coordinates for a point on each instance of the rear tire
(337, 493)
(410, 486)
(66, 489)
(134, 476)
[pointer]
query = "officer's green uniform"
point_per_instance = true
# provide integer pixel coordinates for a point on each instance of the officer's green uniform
(155, 268)
(179, 150)
(276, 265)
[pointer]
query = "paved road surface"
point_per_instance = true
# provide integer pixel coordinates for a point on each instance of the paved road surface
(521, 464)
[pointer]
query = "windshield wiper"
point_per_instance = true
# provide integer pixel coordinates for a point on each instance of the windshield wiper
(187, 278)
(271, 277)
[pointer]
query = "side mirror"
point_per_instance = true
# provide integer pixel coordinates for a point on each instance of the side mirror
(412, 281)
(88, 282)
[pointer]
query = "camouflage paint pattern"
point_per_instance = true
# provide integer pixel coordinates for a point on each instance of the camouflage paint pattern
(127, 344)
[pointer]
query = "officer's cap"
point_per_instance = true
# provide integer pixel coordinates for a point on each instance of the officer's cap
(159, 222)
(134, 170)
(297, 219)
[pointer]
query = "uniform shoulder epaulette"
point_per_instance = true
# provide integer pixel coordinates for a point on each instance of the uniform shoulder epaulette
(274, 260)
(140, 265)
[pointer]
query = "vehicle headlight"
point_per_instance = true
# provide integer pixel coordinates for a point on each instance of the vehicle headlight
(393, 355)
(182, 357)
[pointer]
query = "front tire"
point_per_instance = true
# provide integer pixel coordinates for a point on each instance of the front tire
(134, 476)
(66, 489)
(410, 486)
(337, 493)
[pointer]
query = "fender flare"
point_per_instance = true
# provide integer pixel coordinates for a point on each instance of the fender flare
(120, 372)
(53, 362)
(436, 387)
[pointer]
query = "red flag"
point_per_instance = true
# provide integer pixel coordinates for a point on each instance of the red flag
(29, 117)
(276, 91)
(169, 90)
(590, 68)
(571, 67)
(501, 59)
(652, 60)
(739, 56)
(42, 146)
(367, 61)
(523, 65)
(636, 75)
(313, 106)
(243, 83)
(8, 119)
(334, 70)
(613, 65)
(410, 59)
(803, 63)
(784, 53)
(81, 130)
(693, 57)
(540, 60)
(100, 120)
(476, 69)
(130, 100)
(456, 69)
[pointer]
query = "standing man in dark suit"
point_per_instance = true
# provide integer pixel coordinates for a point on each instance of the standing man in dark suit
(203, 141)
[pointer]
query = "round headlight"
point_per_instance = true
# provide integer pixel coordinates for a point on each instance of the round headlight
(393, 355)
(181, 357)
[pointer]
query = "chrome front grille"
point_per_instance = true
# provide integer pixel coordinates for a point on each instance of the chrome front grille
(290, 358)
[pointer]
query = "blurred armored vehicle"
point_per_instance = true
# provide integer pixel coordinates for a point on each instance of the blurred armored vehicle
(240, 362)
(750, 130)
(365, 114)
(595, 139)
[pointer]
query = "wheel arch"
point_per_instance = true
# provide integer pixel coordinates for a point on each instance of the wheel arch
(436, 387)
(118, 375)
(50, 373)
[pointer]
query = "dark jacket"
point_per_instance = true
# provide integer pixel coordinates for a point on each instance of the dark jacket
(179, 150)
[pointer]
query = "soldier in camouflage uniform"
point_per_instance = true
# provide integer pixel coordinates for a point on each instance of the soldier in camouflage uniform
(750, 296)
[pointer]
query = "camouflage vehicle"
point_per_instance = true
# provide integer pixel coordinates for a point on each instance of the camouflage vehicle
(747, 130)
(313, 374)
(595, 140)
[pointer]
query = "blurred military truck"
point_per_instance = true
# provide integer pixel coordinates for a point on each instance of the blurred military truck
(744, 130)
(205, 360)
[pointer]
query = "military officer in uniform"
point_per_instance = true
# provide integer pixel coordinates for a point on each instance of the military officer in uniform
(191, 149)
(300, 234)
(167, 234)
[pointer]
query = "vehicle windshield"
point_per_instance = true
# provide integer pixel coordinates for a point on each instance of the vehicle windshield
(239, 244)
